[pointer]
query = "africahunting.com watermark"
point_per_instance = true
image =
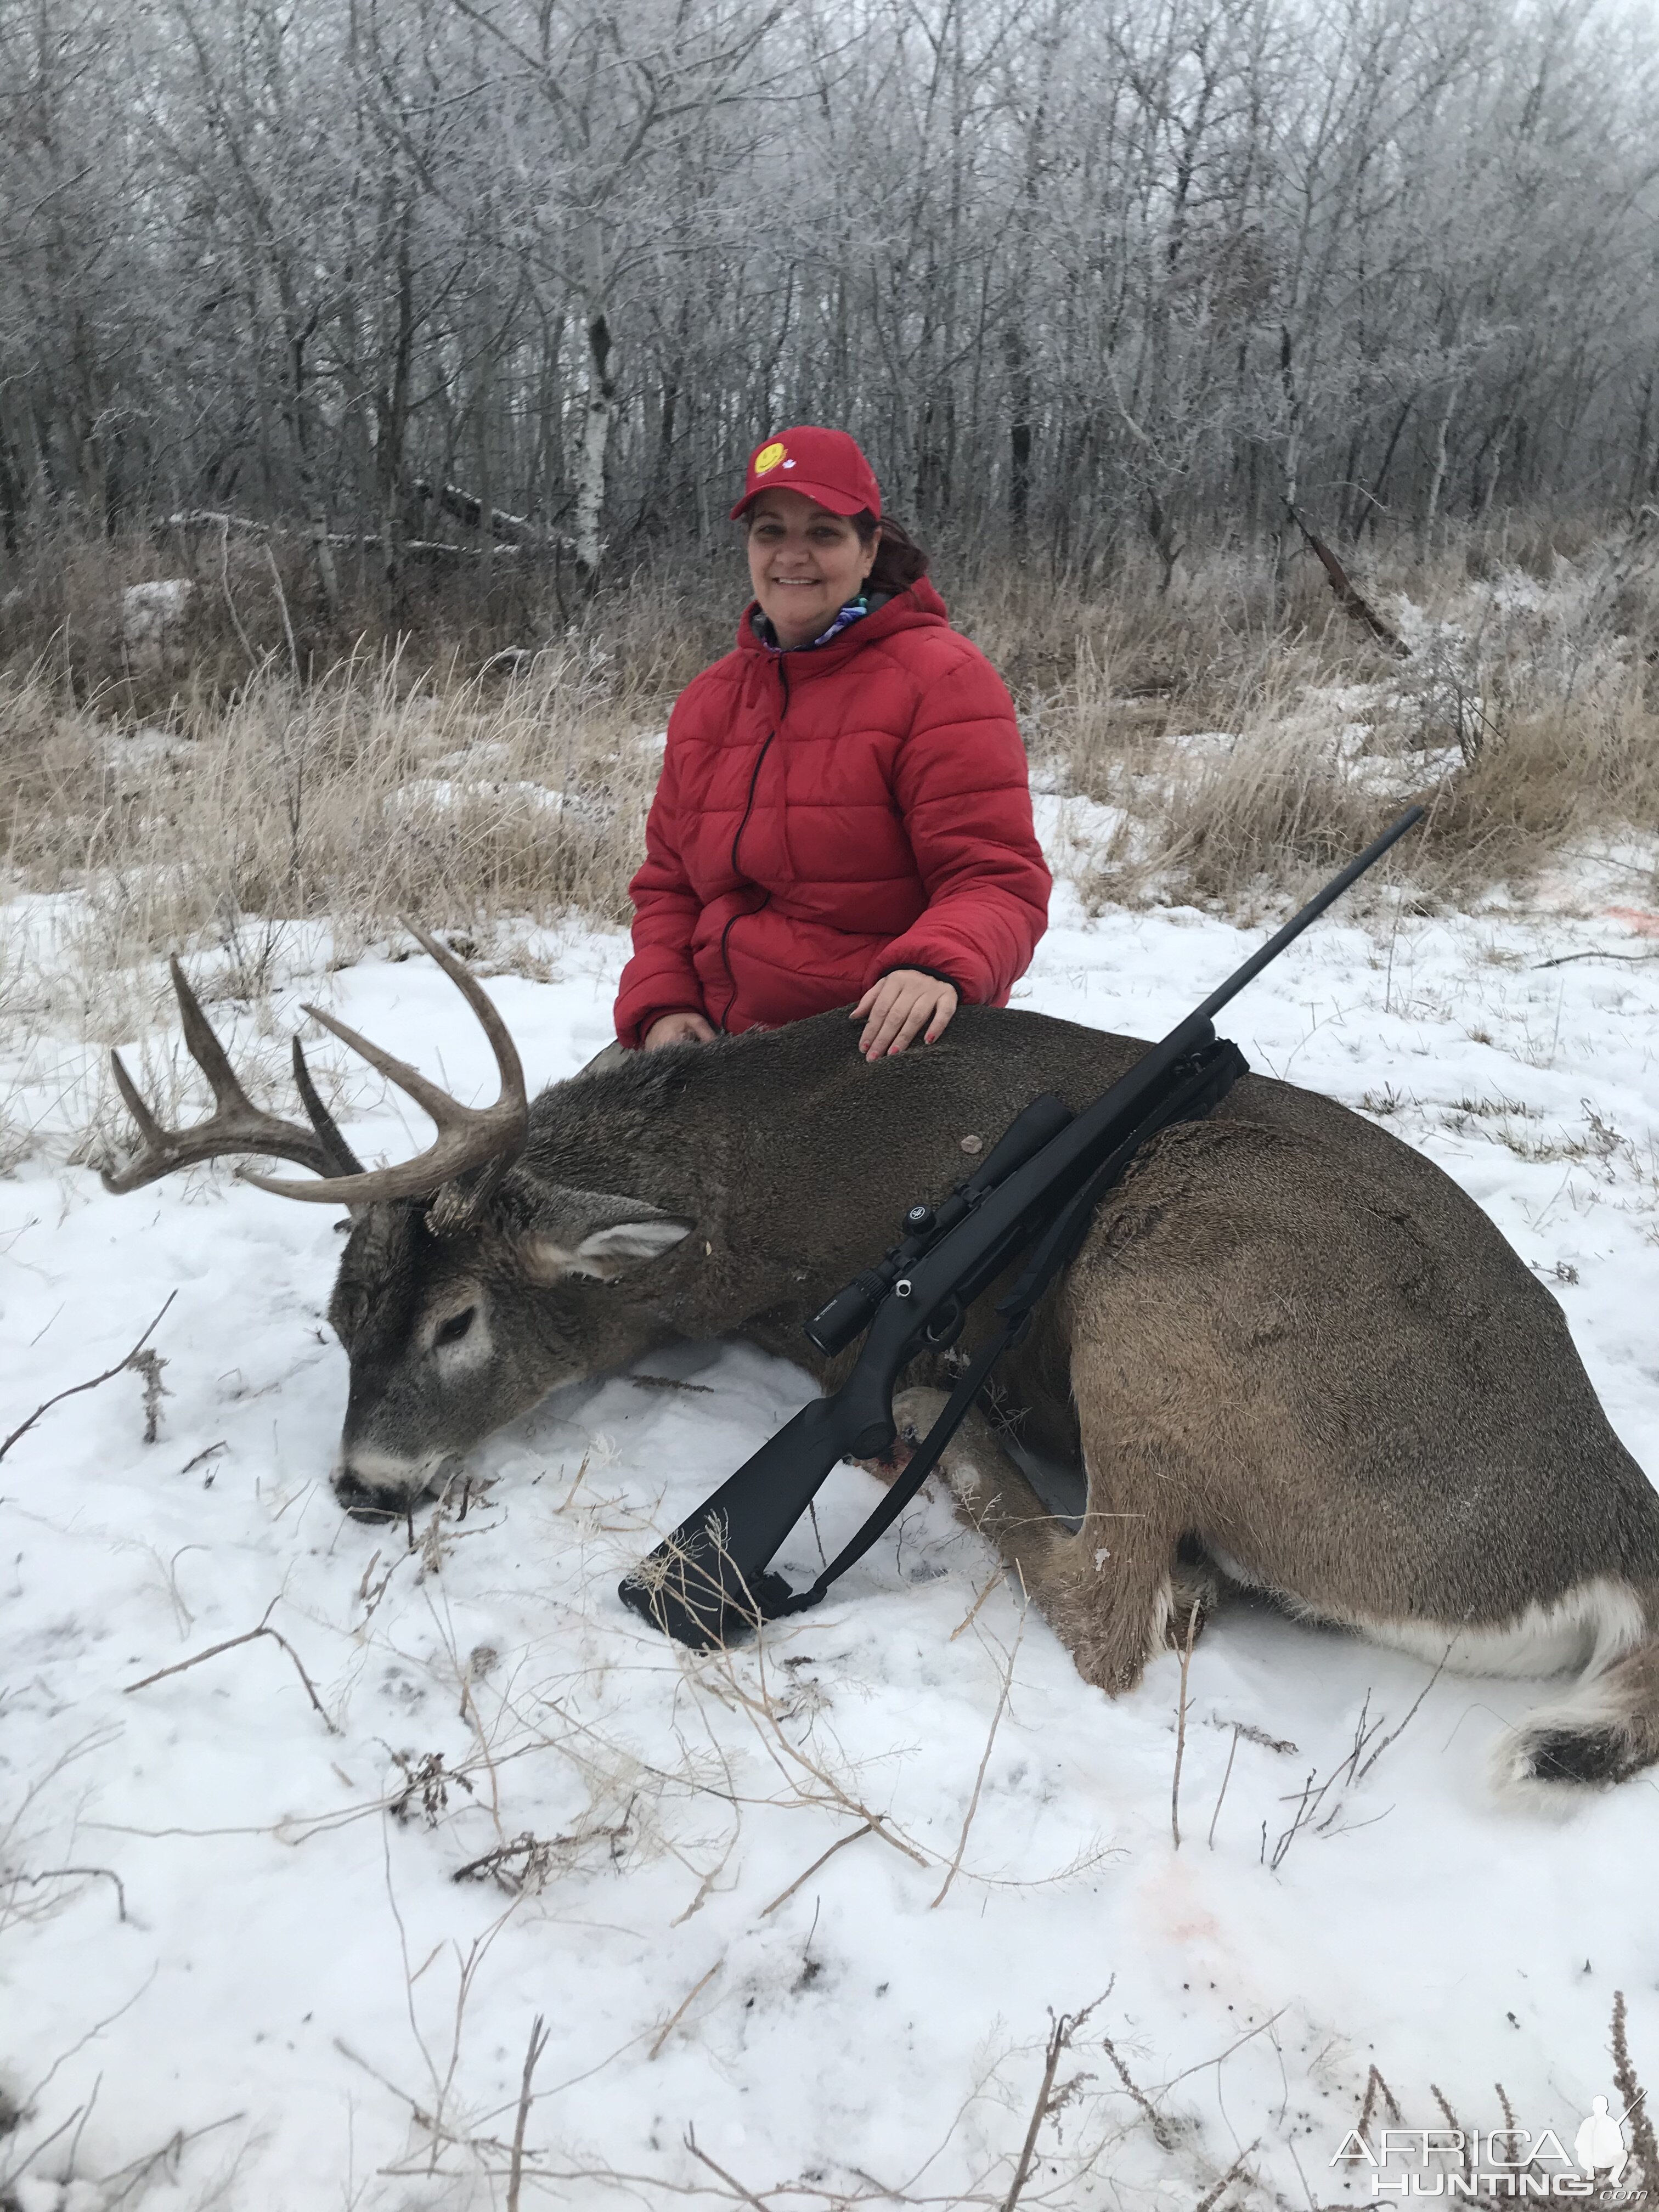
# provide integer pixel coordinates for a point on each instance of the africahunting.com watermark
(1497, 2161)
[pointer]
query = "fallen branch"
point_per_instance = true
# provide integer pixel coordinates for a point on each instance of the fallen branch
(1348, 597)
(134, 1363)
(250, 1636)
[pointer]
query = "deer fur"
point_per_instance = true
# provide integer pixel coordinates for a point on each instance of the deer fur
(1291, 1356)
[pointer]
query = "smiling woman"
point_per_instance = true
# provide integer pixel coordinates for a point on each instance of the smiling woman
(844, 817)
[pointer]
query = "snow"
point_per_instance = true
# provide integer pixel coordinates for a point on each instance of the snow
(274, 1981)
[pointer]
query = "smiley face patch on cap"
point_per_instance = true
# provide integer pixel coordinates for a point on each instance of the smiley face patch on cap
(821, 464)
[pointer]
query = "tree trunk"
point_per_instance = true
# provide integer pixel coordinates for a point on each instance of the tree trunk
(599, 410)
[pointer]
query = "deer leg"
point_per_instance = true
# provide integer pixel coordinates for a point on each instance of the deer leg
(1196, 1587)
(1107, 1591)
(988, 1489)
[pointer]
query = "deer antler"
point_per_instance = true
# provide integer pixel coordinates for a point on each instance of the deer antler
(468, 1137)
(237, 1126)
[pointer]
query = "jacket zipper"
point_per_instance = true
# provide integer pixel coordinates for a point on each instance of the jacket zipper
(737, 838)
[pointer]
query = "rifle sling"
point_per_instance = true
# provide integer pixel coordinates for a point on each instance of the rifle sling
(1218, 1069)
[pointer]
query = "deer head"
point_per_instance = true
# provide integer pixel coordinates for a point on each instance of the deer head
(469, 1287)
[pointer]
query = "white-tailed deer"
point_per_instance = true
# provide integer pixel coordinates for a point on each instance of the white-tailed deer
(1291, 1355)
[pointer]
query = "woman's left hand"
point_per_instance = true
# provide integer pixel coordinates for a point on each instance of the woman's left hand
(894, 1009)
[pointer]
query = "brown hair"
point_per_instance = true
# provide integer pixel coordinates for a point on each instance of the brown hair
(900, 562)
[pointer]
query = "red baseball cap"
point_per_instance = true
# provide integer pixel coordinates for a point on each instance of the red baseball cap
(827, 466)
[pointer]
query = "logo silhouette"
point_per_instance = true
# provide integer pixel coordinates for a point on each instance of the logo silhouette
(1600, 2145)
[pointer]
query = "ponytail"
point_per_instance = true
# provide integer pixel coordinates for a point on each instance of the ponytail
(900, 562)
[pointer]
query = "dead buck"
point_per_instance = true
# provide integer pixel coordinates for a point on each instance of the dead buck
(1292, 1355)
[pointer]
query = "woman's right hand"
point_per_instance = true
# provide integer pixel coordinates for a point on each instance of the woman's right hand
(682, 1028)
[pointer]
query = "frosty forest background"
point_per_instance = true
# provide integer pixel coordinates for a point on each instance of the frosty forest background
(1274, 383)
(1090, 277)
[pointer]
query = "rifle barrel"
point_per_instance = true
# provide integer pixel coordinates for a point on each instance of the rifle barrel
(1297, 922)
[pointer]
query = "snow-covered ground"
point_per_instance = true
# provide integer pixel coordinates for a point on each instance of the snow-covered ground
(257, 1954)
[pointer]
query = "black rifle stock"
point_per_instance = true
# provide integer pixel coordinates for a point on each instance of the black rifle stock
(1038, 1186)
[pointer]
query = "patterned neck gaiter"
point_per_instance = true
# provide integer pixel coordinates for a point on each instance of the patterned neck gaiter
(853, 611)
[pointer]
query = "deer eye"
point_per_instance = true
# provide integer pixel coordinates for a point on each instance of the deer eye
(453, 1330)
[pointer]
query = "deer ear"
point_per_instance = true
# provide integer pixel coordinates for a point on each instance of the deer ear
(597, 1235)
(634, 1240)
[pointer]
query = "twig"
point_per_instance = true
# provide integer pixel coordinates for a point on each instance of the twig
(1374, 2083)
(972, 1614)
(1636, 959)
(730, 2179)
(1410, 1717)
(1211, 2197)
(1181, 1727)
(149, 1363)
(250, 1636)
(281, 601)
(224, 586)
(1059, 2038)
(211, 1451)
(1231, 1756)
(681, 2009)
(985, 1761)
(1160, 2126)
(121, 1367)
(1455, 2126)
(65, 1874)
(1643, 2139)
(537, 2043)
(866, 1828)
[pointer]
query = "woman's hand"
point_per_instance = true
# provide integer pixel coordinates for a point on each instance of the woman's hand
(894, 1009)
(682, 1028)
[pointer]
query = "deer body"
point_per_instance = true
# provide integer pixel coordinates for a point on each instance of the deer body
(1291, 1355)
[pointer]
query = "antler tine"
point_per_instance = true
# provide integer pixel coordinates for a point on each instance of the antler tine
(345, 1161)
(133, 1099)
(468, 1137)
(236, 1126)
(205, 1049)
(500, 1042)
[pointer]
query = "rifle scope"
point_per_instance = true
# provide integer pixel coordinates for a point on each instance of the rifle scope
(832, 1328)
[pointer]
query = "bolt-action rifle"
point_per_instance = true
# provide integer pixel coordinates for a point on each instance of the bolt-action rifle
(1034, 1194)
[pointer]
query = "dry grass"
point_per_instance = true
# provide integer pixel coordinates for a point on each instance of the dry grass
(1244, 733)
(367, 795)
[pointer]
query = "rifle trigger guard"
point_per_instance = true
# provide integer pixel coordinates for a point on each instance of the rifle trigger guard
(946, 1325)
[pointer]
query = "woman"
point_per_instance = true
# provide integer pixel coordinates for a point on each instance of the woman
(844, 816)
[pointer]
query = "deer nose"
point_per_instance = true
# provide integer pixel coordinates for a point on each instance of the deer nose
(368, 1502)
(378, 1486)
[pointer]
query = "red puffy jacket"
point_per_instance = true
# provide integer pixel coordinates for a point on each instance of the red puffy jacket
(826, 815)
